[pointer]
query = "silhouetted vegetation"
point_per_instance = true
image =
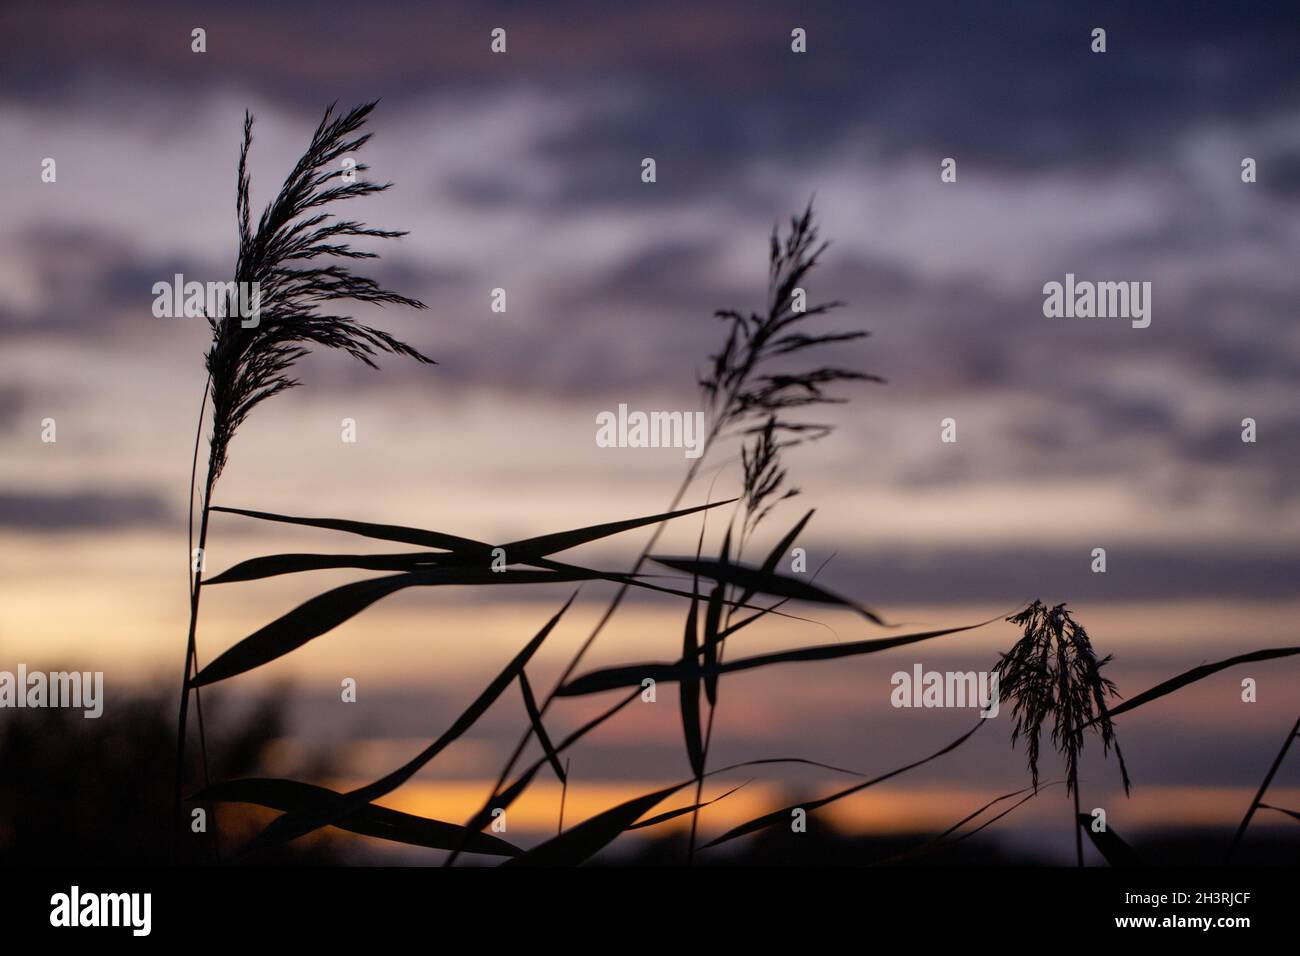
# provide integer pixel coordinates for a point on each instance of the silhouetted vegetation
(97, 792)
(760, 375)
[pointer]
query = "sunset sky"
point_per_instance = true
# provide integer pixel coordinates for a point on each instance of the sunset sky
(522, 172)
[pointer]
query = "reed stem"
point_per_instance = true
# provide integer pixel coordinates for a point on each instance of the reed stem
(189, 658)
(1259, 795)
(1078, 830)
(600, 626)
(196, 583)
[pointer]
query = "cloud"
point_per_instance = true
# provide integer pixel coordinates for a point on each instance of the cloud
(1202, 570)
(85, 281)
(83, 511)
(520, 172)
(1008, 86)
(13, 399)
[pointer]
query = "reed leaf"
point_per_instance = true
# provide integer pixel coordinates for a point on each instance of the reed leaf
(681, 811)
(1180, 681)
(1291, 737)
(305, 622)
(563, 540)
(775, 555)
(503, 799)
(536, 547)
(1011, 809)
(255, 569)
(1108, 843)
(586, 839)
(535, 717)
(581, 842)
(384, 532)
(1294, 815)
(689, 687)
(712, 640)
(757, 580)
(329, 810)
(630, 675)
(783, 815)
(942, 841)
(980, 812)
(370, 820)
(712, 625)
(326, 611)
(323, 613)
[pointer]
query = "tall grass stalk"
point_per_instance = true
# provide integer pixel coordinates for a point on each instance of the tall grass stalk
(293, 255)
(742, 387)
(764, 487)
(1263, 788)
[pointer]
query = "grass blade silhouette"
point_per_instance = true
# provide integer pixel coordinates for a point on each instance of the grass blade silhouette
(273, 565)
(628, 675)
(1114, 850)
(775, 555)
(503, 798)
(1263, 788)
(370, 820)
(941, 841)
(783, 815)
(712, 625)
(689, 688)
(305, 622)
(536, 547)
(323, 613)
(563, 540)
(366, 529)
(681, 811)
(581, 842)
(977, 813)
(543, 738)
(586, 839)
(1293, 814)
(988, 823)
(766, 582)
(327, 811)
(326, 611)
(1199, 673)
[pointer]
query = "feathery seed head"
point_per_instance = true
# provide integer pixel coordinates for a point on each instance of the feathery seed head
(1052, 671)
(249, 365)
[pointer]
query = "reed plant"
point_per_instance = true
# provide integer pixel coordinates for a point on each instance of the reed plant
(297, 257)
(756, 389)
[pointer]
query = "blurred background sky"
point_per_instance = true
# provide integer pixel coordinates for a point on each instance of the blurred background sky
(522, 171)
